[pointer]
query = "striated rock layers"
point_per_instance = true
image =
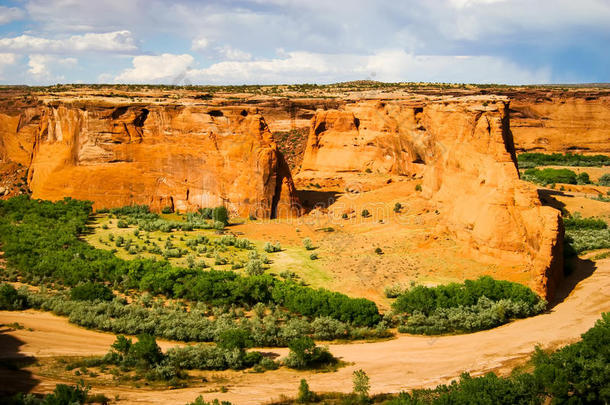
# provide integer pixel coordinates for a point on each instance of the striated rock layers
(558, 123)
(184, 157)
(464, 151)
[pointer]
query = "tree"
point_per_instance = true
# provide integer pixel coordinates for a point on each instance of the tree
(220, 214)
(231, 339)
(146, 350)
(305, 395)
(397, 207)
(361, 384)
(366, 213)
(122, 345)
(305, 354)
(91, 292)
(11, 299)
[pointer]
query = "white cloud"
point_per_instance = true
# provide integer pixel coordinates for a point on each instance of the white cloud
(229, 53)
(199, 44)
(165, 68)
(470, 3)
(41, 66)
(118, 41)
(389, 65)
(10, 14)
(6, 60)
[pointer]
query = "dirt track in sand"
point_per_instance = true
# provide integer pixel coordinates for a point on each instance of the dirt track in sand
(403, 363)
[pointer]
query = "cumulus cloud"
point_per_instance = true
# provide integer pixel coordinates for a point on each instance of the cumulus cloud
(165, 68)
(118, 41)
(524, 38)
(10, 14)
(229, 53)
(42, 68)
(199, 44)
(6, 59)
(389, 65)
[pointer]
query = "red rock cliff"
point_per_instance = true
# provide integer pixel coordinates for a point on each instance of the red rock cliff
(160, 155)
(464, 150)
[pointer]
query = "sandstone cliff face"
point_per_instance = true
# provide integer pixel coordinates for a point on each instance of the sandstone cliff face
(464, 151)
(558, 123)
(184, 157)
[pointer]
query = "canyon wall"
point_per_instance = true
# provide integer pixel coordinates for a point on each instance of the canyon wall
(558, 123)
(184, 157)
(463, 151)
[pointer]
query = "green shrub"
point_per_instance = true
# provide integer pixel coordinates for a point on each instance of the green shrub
(167, 210)
(305, 395)
(365, 213)
(585, 239)
(305, 354)
(378, 251)
(418, 187)
(313, 256)
(41, 240)
(307, 244)
(90, 291)
(604, 180)
(271, 248)
(576, 221)
(557, 159)
(121, 224)
(361, 384)
(220, 214)
(11, 299)
(550, 176)
(583, 178)
(397, 207)
(474, 305)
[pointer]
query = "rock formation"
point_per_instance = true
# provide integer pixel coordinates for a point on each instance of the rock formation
(184, 157)
(556, 122)
(463, 148)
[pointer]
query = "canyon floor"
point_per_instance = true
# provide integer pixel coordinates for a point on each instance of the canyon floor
(403, 363)
(399, 364)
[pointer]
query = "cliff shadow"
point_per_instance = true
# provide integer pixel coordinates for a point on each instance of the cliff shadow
(547, 197)
(577, 270)
(13, 378)
(313, 198)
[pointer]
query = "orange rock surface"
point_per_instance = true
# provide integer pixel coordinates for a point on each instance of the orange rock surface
(560, 123)
(464, 151)
(184, 157)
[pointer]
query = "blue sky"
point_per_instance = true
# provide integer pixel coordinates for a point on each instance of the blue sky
(295, 41)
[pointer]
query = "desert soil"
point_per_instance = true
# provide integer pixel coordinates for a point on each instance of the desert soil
(400, 364)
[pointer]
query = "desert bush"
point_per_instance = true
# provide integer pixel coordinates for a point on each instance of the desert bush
(575, 374)
(220, 214)
(305, 395)
(582, 240)
(271, 248)
(604, 180)
(121, 224)
(550, 176)
(527, 160)
(305, 354)
(474, 305)
(91, 292)
(576, 221)
(11, 299)
(307, 244)
(583, 178)
(41, 240)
